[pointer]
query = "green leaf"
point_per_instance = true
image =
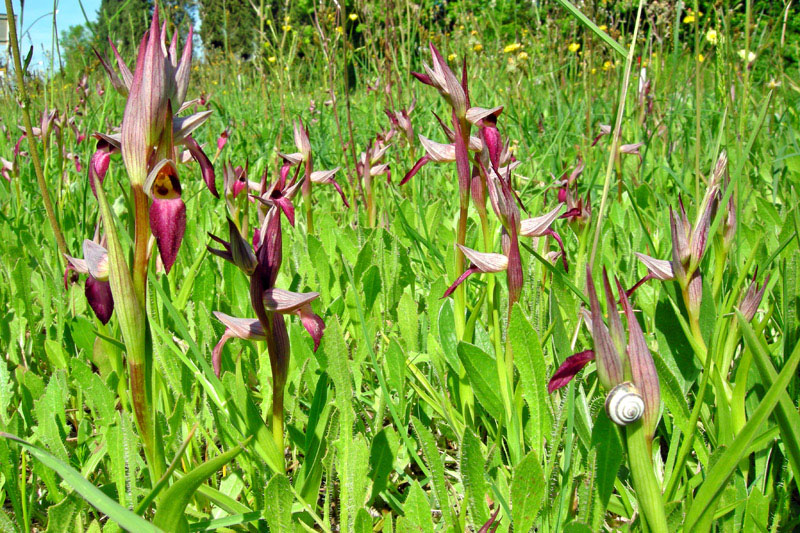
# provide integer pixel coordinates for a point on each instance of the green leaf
(61, 516)
(55, 354)
(382, 453)
(416, 511)
(529, 360)
(125, 518)
(278, 503)
(472, 470)
(170, 513)
(482, 373)
(408, 321)
(605, 440)
(433, 458)
(721, 472)
(371, 282)
(593, 27)
(527, 492)
(786, 412)
(447, 334)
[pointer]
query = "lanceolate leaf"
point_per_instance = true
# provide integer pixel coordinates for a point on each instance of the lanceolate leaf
(100, 500)
(722, 470)
(529, 360)
(170, 513)
(786, 412)
(527, 492)
(482, 373)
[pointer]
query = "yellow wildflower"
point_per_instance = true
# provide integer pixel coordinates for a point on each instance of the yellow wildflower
(287, 28)
(272, 59)
(474, 32)
(339, 30)
(451, 57)
(603, 27)
(701, 57)
(574, 47)
(711, 37)
(477, 47)
(511, 48)
(608, 65)
(352, 16)
(522, 56)
(691, 16)
(593, 71)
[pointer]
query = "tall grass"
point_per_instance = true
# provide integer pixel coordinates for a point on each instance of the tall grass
(407, 418)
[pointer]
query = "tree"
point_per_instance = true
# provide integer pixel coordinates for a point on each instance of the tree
(229, 25)
(124, 21)
(76, 42)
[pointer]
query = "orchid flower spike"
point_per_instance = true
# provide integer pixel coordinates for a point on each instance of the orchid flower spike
(624, 365)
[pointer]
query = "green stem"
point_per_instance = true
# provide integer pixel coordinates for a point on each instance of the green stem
(306, 190)
(704, 355)
(141, 206)
(648, 493)
(26, 119)
(460, 295)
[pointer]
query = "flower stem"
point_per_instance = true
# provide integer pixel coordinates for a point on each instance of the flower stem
(648, 493)
(306, 191)
(26, 119)
(141, 238)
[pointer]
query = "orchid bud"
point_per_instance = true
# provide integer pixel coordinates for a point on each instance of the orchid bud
(301, 140)
(145, 110)
(752, 298)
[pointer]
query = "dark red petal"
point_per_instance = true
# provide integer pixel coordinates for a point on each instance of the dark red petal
(98, 294)
(340, 191)
(557, 237)
(286, 206)
(639, 283)
(168, 223)
(205, 164)
(488, 524)
(491, 139)
(313, 324)
(98, 167)
(424, 78)
(216, 354)
(418, 165)
(467, 273)
(568, 369)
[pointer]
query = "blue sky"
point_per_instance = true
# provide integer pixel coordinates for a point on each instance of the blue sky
(37, 24)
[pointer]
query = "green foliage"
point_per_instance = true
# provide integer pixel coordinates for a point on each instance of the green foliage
(417, 414)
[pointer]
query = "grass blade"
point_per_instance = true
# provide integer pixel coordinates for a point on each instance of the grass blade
(100, 500)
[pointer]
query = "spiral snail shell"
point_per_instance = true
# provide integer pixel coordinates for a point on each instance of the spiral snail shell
(624, 404)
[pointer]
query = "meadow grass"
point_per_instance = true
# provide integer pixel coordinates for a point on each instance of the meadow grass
(417, 412)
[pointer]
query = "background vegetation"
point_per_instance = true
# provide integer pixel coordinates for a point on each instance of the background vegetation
(397, 422)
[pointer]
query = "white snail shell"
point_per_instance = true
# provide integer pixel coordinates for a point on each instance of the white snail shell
(624, 404)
